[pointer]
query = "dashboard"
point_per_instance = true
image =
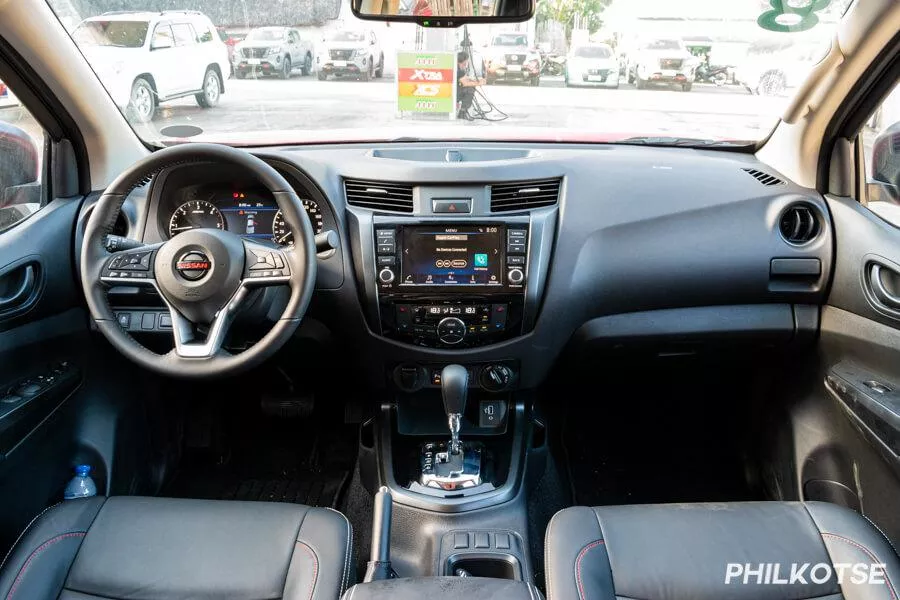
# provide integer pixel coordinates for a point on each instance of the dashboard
(511, 255)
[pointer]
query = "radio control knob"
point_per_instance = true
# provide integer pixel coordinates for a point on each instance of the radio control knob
(451, 330)
(386, 276)
(515, 276)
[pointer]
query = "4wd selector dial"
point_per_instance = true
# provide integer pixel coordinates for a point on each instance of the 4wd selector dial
(451, 330)
(496, 378)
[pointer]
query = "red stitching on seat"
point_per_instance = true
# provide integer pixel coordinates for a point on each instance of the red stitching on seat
(312, 554)
(34, 554)
(578, 565)
(871, 555)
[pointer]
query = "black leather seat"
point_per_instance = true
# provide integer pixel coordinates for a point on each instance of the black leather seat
(689, 551)
(156, 548)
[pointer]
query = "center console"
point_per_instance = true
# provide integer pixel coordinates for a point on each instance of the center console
(451, 285)
(450, 279)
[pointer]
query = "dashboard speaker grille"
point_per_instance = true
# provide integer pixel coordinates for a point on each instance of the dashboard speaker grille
(524, 195)
(799, 224)
(764, 178)
(379, 195)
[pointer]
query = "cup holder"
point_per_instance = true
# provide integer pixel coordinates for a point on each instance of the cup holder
(494, 565)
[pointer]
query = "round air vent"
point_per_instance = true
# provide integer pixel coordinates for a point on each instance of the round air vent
(799, 224)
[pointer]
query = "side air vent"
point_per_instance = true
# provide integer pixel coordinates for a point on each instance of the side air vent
(764, 178)
(379, 195)
(524, 195)
(799, 224)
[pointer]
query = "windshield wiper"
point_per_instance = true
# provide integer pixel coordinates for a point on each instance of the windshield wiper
(683, 142)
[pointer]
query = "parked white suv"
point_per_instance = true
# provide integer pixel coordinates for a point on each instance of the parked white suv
(146, 58)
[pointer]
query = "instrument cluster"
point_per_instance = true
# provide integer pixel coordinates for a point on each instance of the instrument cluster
(250, 212)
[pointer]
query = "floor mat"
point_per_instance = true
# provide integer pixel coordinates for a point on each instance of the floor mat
(236, 453)
(675, 440)
(313, 489)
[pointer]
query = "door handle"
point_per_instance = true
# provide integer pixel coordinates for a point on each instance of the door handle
(879, 289)
(17, 287)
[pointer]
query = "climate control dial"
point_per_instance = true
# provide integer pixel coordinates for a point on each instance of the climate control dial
(451, 330)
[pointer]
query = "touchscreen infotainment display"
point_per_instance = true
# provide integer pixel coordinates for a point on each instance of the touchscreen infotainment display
(457, 255)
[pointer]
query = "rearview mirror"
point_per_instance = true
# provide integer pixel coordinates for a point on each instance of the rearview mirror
(444, 13)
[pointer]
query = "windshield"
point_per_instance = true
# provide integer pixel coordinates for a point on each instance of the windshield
(266, 35)
(347, 36)
(124, 34)
(663, 45)
(510, 40)
(593, 52)
(680, 72)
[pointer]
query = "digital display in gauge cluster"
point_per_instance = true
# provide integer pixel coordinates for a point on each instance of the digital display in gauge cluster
(248, 213)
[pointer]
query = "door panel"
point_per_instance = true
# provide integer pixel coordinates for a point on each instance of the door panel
(848, 448)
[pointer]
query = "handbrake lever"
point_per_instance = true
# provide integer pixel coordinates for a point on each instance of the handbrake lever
(379, 566)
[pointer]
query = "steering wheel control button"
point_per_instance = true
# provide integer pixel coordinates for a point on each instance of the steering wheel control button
(451, 330)
(386, 276)
(264, 261)
(193, 266)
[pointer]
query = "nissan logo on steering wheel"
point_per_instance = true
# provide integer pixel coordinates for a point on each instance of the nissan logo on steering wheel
(193, 266)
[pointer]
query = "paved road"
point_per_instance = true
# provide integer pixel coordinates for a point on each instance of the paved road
(306, 103)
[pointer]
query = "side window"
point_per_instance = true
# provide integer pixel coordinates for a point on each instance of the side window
(184, 34)
(206, 34)
(162, 38)
(21, 158)
(880, 138)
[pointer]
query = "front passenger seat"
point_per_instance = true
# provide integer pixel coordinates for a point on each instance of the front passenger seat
(716, 551)
(161, 548)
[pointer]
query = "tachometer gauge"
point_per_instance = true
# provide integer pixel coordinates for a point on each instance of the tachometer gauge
(195, 214)
(282, 233)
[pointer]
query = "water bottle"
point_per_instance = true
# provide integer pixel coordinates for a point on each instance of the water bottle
(81, 486)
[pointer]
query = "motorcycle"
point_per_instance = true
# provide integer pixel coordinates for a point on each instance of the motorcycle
(554, 64)
(708, 74)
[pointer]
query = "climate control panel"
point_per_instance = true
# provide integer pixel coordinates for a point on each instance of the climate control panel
(452, 323)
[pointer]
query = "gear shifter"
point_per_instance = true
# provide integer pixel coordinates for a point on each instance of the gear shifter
(454, 389)
(459, 465)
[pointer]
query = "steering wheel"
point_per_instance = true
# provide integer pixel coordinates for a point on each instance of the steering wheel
(202, 275)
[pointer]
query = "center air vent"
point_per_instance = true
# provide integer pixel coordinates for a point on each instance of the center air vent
(799, 224)
(379, 195)
(764, 178)
(524, 195)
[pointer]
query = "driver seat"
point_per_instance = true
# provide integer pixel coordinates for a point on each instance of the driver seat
(139, 548)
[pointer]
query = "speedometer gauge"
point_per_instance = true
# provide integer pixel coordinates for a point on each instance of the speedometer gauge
(282, 233)
(195, 214)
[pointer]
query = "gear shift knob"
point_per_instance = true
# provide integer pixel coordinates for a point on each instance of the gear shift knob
(454, 389)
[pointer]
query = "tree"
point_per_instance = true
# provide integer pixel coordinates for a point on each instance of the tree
(586, 13)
